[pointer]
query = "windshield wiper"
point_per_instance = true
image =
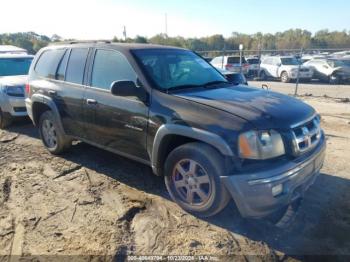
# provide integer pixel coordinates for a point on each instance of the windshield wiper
(208, 84)
(181, 87)
(213, 83)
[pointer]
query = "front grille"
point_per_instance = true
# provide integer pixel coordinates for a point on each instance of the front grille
(304, 70)
(19, 109)
(306, 135)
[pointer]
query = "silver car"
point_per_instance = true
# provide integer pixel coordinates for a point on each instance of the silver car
(333, 71)
(13, 78)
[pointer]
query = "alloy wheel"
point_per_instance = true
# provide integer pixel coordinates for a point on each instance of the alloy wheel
(191, 182)
(49, 133)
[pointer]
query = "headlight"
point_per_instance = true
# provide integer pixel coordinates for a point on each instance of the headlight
(14, 91)
(260, 144)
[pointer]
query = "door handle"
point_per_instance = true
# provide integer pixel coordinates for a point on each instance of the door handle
(91, 101)
(52, 92)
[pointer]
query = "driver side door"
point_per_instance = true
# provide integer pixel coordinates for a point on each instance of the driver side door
(115, 122)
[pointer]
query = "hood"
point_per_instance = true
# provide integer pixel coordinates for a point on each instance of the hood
(264, 109)
(13, 80)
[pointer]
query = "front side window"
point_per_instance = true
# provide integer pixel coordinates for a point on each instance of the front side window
(336, 63)
(14, 66)
(175, 69)
(110, 66)
(76, 65)
(48, 62)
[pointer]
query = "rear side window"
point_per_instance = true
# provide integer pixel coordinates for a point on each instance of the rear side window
(76, 65)
(48, 62)
(110, 66)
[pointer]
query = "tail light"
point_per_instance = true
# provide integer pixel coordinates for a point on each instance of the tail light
(246, 65)
(228, 66)
(27, 88)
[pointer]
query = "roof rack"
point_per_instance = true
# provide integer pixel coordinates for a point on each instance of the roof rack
(81, 42)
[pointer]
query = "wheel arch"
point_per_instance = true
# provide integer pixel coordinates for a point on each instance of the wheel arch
(40, 104)
(170, 136)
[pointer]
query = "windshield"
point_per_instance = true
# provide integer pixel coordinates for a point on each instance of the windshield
(14, 66)
(289, 61)
(336, 63)
(171, 68)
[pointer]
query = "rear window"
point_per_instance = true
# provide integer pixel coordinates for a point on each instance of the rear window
(235, 60)
(48, 62)
(76, 65)
(14, 66)
(253, 61)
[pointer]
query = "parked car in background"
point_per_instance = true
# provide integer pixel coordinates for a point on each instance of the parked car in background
(10, 49)
(13, 77)
(306, 58)
(208, 59)
(234, 77)
(168, 108)
(284, 68)
(332, 71)
(254, 66)
(231, 63)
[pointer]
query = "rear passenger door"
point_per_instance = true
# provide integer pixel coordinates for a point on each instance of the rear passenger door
(60, 74)
(70, 90)
(118, 123)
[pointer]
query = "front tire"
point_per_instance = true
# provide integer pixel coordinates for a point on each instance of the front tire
(192, 177)
(52, 136)
(285, 77)
(5, 119)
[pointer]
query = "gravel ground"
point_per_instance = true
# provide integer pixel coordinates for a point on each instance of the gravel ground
(314, 88)
(91, 202)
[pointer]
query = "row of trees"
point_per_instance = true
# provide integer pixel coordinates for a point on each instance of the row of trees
(290, 39)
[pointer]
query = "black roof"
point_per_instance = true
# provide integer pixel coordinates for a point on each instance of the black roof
(119, 46)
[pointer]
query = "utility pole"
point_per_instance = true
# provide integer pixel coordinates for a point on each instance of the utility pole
(298, 75)
(166, 25)
(124, 33)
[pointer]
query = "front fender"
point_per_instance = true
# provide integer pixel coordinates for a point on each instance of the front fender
(202, 135)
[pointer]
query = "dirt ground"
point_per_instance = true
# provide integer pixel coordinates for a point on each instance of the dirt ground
(90, 202)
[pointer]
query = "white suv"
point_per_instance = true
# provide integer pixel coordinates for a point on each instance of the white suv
(13, 78)
(284, 68)
(230, 63)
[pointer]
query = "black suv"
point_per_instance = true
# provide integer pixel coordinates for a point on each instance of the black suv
(168, 108)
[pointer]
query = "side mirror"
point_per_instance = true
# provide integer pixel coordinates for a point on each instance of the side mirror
(128, 88)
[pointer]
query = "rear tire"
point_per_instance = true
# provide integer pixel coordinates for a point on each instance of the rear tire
(5, 119)
(51, 135)
(263, 76)
(334, 80)
(192, 177)
(285, 77)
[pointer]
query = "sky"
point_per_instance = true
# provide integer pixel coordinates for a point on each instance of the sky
(104, 19)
